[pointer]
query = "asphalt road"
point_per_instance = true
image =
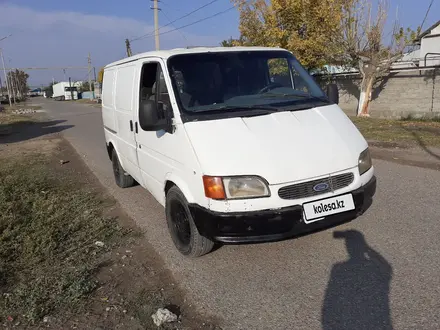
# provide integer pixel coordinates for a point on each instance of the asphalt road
(382, 273)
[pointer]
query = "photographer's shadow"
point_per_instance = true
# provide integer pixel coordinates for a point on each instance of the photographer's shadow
(357, 295)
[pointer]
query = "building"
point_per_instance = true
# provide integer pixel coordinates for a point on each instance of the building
(429, 42)
(426, 48)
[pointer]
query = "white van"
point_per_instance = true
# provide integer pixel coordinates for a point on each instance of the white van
(238, 144)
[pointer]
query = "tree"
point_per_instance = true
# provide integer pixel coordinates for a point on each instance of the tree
(367, 48)
(305, 27)
(85, 86)
(328, 32)
(230, 42)
(101, 75)
(18, 83)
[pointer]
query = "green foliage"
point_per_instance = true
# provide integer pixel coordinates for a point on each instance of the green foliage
(18, 82)
(227, 43)
(306, 27)
(85, 87)
(101, 75)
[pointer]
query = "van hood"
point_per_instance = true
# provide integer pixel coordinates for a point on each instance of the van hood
(281, 147)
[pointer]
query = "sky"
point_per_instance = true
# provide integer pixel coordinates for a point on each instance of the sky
(49, 33)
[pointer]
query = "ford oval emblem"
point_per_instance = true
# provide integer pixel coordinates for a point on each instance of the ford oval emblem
(321, 187)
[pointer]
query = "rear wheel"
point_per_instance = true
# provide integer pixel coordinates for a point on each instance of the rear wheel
(122, 179)
(182, 228)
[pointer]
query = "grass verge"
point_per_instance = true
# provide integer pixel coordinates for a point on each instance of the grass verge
(53, 275)
(406, 132)
(48, 229)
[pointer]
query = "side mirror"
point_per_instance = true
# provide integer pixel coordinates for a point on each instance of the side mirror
(148, 118)
(333, 93)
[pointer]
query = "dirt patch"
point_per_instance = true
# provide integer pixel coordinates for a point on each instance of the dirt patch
(388, 145)
(70, 258)
(44, 145)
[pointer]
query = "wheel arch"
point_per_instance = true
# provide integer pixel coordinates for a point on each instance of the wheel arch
(111, 145)
(110, 148)
(174, 180)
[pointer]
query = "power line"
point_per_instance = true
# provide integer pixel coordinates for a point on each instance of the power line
(10, 35)
(181, 33)
(196, 22)
(49, 68)
(426, 15)
(177, 19)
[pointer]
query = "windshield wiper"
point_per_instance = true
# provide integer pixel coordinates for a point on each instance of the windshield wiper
(289, 99)
(231, 108)
(300, 96)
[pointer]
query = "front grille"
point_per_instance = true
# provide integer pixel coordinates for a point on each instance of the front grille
(305, 189)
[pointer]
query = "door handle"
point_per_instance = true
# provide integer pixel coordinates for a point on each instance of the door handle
(136, 127)
(131, 125)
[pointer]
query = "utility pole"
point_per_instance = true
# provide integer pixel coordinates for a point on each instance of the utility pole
(71, 91)
(13, 82)
(6, 78)
(156, 23)
(64, 70)
(128, 47)
(12, 74)
(89, 61)
(18, 85)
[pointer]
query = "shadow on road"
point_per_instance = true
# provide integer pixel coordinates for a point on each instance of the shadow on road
(22, 131)
(357, 295)
(421, 143)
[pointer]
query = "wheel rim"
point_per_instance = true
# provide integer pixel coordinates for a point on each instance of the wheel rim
(180, 223)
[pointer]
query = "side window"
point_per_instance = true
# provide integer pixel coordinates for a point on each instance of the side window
(163, 98)
(153, 88)
(279, 72)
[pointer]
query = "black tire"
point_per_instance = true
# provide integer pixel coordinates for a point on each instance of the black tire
(182, 228)
(122, 179)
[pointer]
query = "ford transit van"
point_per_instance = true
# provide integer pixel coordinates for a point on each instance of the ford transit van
(238, 144)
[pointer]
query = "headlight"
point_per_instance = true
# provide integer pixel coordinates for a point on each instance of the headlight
(235, 187)
(364, 163)
(245, 187)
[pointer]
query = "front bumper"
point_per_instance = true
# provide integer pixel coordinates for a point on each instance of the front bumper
(273, 225)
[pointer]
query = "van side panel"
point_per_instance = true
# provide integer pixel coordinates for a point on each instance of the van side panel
(124, 91)
(108, 110)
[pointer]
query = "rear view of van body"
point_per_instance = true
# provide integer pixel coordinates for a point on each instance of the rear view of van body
(238, 144)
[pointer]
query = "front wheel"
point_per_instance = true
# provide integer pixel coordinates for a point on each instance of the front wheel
(182, 228)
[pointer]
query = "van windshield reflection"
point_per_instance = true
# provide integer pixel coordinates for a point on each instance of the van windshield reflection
(242, 80)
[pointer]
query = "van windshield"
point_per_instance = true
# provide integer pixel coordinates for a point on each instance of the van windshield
(230, 82)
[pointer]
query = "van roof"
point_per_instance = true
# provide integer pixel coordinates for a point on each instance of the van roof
(165, 54)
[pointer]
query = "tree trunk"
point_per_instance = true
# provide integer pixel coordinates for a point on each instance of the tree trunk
(365, 97)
